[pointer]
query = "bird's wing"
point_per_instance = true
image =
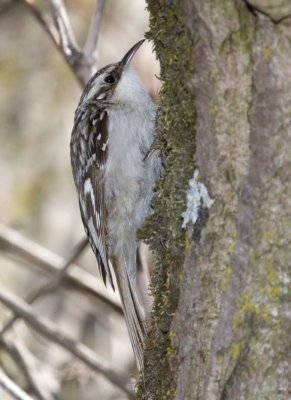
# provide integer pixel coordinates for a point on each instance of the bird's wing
(92, 191)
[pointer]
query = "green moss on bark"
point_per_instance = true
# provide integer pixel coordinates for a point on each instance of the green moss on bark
(163, 230)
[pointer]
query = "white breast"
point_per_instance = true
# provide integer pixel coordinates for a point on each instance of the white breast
(130, 136)
(129, 179)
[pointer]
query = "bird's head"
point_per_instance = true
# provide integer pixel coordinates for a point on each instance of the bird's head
(115, 82)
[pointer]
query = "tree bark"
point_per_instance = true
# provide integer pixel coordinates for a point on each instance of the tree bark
(220, 323)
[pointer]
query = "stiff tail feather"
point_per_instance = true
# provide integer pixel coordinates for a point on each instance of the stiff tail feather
(131, 309)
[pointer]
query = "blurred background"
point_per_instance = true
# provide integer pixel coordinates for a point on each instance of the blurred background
(38, 203)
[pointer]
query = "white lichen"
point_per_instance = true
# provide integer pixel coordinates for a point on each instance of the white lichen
(197, 197)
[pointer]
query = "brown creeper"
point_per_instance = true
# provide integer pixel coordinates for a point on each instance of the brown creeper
(112, 134)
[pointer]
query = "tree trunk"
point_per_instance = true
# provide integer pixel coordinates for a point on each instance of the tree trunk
(221, 324)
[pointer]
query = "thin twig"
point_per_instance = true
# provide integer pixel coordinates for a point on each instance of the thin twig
(52, 284)
(18, 246)
(90, 48)
(26, 364)
(59, 276)
(44, 22)
(73, 59)
(47, 328)
(15, 391)
(83, 64)
(63, 25)
(71, 54)
(18, 352)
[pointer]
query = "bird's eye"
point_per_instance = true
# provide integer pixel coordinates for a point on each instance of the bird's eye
(109, 79)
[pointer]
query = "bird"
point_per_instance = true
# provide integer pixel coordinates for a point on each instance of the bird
(115, 171)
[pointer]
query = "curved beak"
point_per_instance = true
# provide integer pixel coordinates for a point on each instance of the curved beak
(129, 55)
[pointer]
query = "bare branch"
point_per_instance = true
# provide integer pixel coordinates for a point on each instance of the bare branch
(61, 273)
(62, 22)
(52, 284)
(79, 350)
(44, 22)
(15, 391)
(83, 64)
(90, 48)
(18, 352)
(15, 244)
(73, 57)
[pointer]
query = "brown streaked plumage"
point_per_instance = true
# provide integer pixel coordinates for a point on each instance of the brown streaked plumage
(113, 130)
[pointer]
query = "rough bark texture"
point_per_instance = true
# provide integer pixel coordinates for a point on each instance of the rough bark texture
(221, 323)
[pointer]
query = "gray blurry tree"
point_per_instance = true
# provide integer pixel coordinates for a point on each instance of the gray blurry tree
(221, 318)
